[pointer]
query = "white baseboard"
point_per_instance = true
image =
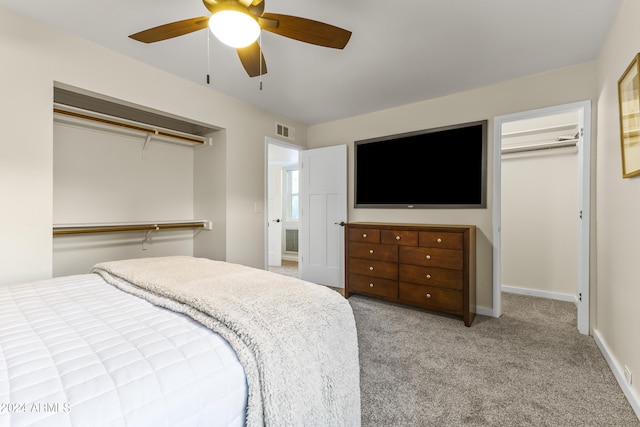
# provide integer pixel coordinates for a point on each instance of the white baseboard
(542, 294)
(485, 311)
(617, 370)
(488, 311)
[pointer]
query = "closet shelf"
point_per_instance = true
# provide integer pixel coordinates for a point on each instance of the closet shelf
(59, 230)
(128, 125)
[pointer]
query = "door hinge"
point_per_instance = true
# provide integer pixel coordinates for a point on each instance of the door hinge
(580, 213)
(580, 297)
(581, 131)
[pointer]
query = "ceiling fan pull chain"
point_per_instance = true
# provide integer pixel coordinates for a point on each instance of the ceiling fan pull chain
(260, 59)
(208, 57)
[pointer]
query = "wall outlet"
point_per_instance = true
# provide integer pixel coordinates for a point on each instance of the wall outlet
(627, 374)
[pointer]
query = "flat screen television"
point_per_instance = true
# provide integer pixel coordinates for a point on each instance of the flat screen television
(443, 167)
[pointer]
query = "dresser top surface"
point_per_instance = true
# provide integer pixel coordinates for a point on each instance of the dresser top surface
(408, 226)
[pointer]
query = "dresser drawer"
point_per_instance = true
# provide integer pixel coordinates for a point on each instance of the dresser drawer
(431, 276)
(432, 257)
(365, 267)
(364, 235)
(398, 237)
(375, 251)
(441, 239)
(373, 286)
(432, 298)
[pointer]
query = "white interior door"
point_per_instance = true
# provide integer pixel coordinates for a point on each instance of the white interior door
(274, 215)
(278, 154)
(323, 201)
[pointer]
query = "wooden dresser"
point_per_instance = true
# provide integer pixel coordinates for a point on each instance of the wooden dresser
(428, 266)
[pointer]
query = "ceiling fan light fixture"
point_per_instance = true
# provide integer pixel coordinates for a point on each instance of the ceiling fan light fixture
(234, 28)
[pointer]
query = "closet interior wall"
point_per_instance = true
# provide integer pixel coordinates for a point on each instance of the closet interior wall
(540, 212)
(110, 175)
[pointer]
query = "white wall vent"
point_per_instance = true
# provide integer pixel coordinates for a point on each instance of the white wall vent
(291, 240)
(285, 131)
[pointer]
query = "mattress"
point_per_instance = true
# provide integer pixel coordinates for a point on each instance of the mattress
(76, 351)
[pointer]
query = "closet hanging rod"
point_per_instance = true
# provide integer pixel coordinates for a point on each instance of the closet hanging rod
(149, 130)
(59, 230)
(537, 147)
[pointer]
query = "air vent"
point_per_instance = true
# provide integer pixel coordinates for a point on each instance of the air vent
(291, 240)
(285, 131)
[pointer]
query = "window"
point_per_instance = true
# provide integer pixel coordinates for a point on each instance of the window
(291, 197)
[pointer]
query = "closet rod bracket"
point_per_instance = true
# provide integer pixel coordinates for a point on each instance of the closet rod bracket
(147, 140)
(147, 237)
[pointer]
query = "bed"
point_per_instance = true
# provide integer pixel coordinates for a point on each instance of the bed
(177, 341)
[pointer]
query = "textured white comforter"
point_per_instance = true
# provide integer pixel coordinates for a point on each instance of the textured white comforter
(76, 351)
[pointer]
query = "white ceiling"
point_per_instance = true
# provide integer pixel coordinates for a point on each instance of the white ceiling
(399, 53)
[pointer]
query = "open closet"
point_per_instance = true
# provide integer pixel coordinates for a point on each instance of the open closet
(540, 206)
(132, 183)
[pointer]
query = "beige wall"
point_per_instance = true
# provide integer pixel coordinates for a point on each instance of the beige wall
(543, 90)
(210, 186)
(540, 222)
(618, 201)
(36, 56)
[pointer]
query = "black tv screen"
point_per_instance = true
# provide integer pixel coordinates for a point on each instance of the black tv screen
(436, 168)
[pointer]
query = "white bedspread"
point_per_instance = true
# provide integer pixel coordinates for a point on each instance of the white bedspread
(296, 340)
(76, 351)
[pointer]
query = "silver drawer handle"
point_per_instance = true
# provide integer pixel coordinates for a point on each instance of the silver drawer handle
(370, 268)
(439, 240)
(371, 285)
(370, 251)
(428, 276)
(428, 257)
(428, 296)
(364, 235)
(397, 237)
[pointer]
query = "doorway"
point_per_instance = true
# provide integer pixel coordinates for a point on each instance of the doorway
(321, 202)
(521, 135)
(282, 207)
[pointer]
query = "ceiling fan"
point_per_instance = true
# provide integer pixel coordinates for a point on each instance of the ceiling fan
(233, 15)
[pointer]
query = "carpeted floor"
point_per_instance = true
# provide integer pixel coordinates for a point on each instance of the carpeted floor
(530, 367)
(288, 268)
